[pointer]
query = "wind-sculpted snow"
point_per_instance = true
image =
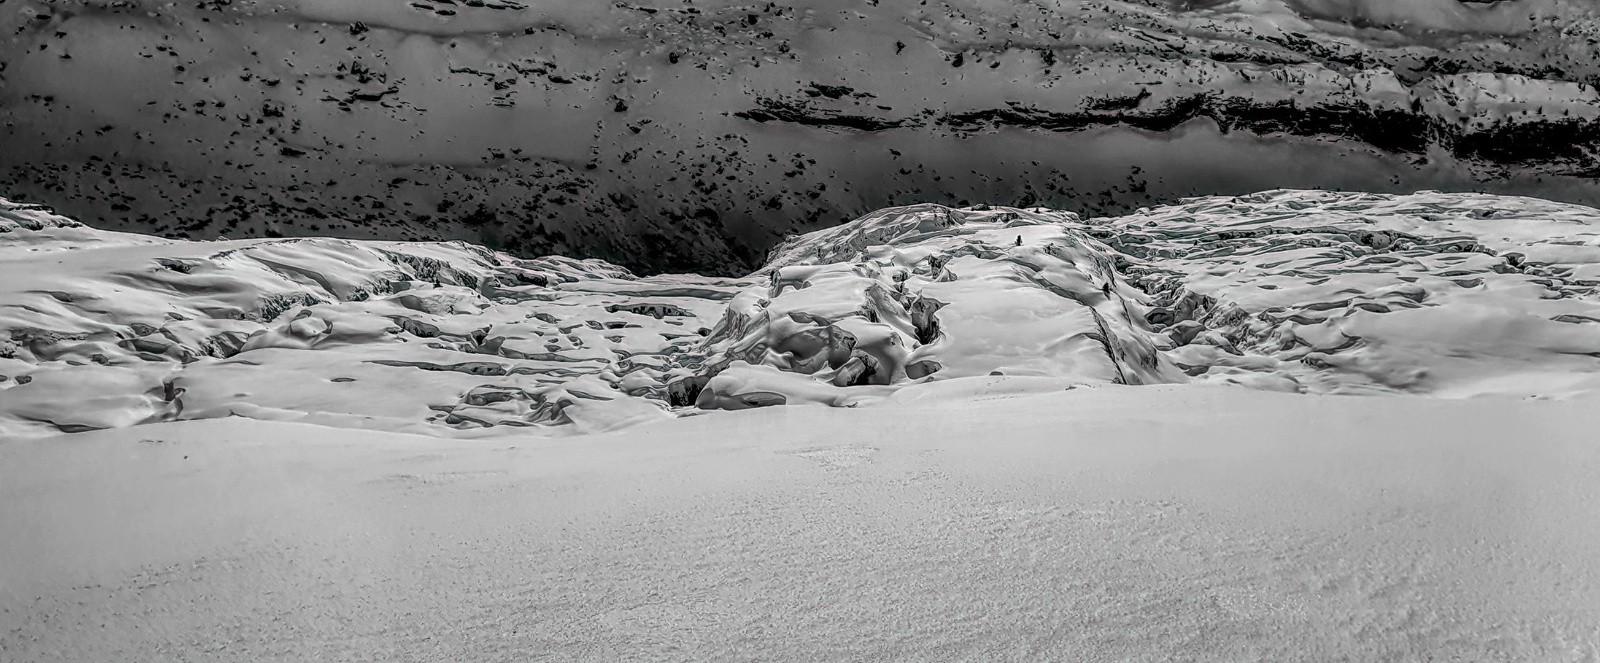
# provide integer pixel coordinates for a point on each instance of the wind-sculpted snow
(668, 135)
(1432, 294)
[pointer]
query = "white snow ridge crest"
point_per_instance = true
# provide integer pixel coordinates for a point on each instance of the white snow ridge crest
(1448, 295)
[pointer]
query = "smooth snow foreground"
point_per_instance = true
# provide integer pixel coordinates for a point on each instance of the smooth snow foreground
(977, 519)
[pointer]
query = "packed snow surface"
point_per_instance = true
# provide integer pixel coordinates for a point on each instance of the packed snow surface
(966, 521)
(1445, 295)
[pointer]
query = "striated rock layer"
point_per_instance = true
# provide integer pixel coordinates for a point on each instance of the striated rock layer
(1449, 295)
(669, 135)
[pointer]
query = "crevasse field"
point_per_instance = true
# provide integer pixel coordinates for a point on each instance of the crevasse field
(1293, 425)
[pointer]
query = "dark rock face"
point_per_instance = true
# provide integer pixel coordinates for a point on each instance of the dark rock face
(669, 136)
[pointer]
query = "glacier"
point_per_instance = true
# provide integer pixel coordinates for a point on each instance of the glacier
(721, 330)
(1427, 294)
(1287, 425)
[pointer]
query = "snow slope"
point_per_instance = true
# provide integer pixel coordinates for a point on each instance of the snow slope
(666, 135)
(1446, 295)
(964, 523)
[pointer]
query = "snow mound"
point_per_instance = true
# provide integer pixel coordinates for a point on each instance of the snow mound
(1448, 295)
(910, 293)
